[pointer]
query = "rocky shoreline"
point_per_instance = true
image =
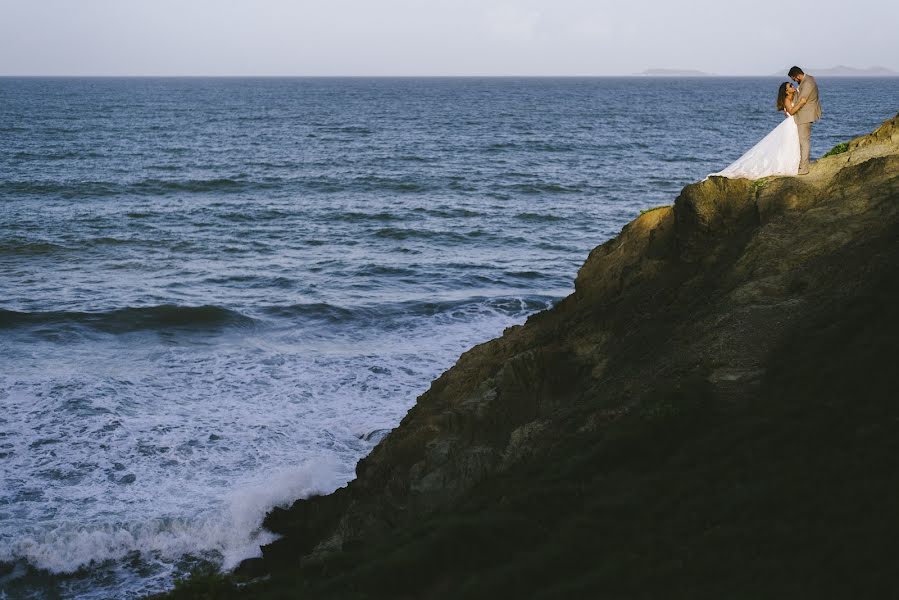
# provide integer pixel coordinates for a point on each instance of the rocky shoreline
(712, 413)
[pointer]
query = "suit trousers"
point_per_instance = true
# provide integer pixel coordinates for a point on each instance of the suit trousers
(805, 138)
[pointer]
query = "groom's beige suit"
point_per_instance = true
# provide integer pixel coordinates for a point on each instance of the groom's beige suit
(805, 116)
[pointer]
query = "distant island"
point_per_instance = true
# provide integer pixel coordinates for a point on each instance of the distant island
(844, 71)
(674, 73)
(838, 71)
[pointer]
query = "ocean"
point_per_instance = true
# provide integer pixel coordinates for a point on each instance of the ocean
(217, 294)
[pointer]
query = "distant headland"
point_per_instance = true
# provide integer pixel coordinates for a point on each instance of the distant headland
(838, 71)
(844, 71)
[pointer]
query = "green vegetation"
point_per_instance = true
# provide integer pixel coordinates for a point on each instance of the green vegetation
(649, 210)
(838, 149)
(758, 184)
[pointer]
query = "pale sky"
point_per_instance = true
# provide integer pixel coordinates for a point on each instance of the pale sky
(441, 37)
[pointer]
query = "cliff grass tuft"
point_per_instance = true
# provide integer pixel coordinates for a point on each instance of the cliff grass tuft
(838, 149)
(654, 208)
(758, 184)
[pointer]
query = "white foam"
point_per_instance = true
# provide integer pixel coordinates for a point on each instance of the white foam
(239, 534)
(232, 532)
(159, 452)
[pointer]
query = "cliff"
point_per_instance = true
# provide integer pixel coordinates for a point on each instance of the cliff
(712, 413)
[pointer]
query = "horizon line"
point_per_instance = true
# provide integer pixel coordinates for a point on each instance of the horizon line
(414, 76)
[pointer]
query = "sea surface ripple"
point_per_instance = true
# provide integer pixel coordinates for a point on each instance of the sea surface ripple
(216, 295)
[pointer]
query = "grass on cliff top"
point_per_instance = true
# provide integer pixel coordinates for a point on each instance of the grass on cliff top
(653, 209)
(759, 183)
(838, 149)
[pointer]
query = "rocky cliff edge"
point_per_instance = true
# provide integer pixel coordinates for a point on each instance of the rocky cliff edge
(712, 411)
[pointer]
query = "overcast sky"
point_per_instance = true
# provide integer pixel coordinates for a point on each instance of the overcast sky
(441, 37)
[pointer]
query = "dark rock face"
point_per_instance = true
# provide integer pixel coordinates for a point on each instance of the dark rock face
(709, 340)
(710, 210)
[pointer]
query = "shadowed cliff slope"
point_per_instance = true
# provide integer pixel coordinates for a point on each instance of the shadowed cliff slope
(712, 413)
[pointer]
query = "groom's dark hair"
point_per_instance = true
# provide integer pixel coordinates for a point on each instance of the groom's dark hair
(794, 71)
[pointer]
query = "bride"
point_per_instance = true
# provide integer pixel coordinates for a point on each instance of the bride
(777, 153)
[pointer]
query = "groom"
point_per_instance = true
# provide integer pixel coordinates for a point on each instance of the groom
(807, 111)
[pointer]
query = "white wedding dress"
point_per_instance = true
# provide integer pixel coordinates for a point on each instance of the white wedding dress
(776, 154)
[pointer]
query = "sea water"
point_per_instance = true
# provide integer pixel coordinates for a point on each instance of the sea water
(216, 295)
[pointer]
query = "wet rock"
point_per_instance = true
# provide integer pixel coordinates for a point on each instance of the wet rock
(251, 568)
(374, 436)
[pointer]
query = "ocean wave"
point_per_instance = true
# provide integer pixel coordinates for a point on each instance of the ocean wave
(549, 147)
(56, 156)
(501, 146)
(318, 311)
(220, 184)
(150, 187)
(369, 183)
(355, 216)
(537, 218)
(227, 535)
(375, 270)
(350, 129)
(407, 233)
(506, 305)
(253, 215)
(145, 187)
(124, 320)
(388, 314)
(68, 190)
(543, 188)
(448, 212)
(23, 248)
(416, 159)
(524, 274)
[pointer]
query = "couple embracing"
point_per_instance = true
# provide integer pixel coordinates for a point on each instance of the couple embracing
(784, 151)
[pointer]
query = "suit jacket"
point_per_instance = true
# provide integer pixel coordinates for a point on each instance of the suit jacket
(811, 112)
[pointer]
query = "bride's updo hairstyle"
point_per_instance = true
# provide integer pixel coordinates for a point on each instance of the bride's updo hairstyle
(782, 95)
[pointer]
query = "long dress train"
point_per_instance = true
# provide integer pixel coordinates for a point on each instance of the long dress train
(776, 154)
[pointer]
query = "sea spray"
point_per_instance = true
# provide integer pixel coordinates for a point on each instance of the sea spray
(223, 535)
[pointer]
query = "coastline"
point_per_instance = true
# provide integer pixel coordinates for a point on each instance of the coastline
(697, 400)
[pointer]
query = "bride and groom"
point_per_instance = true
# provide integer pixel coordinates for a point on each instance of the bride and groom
(784, 151)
